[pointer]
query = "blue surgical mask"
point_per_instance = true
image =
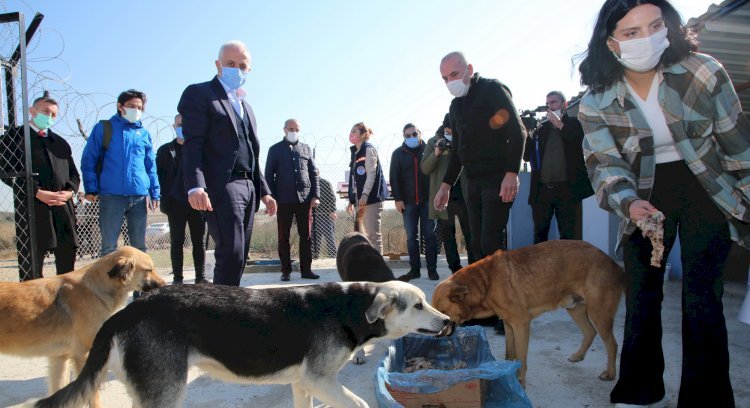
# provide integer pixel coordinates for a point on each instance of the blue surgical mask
(234, 78)
(448, 136)
(178, 130)
(411, 142)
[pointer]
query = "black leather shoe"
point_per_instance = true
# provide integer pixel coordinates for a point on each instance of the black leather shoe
(310, 276)
(202, 281)
(433, 275)
(285, 277)
(177, 281)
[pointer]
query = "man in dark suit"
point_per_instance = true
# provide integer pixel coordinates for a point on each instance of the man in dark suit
(179, 212)
(220, 160)
(54, 187)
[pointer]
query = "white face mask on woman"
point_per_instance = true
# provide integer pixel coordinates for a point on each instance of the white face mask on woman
(642, 54)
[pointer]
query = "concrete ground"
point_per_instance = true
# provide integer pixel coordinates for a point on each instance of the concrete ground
(552, 381)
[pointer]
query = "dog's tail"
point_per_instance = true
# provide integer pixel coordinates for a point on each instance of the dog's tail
(359, 221)
(78, 392)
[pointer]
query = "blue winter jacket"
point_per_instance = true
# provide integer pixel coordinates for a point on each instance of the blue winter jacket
(129, 166)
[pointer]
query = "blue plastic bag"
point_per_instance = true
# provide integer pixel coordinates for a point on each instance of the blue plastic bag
(469, 347)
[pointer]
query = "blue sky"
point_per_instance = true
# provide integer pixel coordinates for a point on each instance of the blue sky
(329, 64)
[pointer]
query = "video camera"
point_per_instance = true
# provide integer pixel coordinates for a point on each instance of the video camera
(538, 109)
(528, 117)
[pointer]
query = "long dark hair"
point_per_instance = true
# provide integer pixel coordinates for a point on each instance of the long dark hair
(599, 67)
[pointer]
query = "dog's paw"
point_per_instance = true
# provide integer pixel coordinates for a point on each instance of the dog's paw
(606, 376)
(359, 357)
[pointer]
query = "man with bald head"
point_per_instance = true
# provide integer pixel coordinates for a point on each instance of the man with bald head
(488, 142)
(221, 171)
(293, 181)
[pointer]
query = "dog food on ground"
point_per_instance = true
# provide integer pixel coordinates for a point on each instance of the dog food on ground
(653, 228)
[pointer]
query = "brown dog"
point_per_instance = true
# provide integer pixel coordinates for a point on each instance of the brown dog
(59, 316)
(521, 284)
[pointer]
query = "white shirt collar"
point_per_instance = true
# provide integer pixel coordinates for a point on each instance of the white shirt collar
(238, 93)
(36, 129)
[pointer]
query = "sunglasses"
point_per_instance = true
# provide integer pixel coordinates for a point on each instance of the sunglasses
(413, 134)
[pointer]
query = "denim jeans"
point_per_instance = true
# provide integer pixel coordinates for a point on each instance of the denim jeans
(112, 209)
(417, 215)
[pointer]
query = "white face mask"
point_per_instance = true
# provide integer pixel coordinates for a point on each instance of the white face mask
(132, 115)
(292, 137)
(457, 87)
(448, 137)
(642, 54)
(558, 113)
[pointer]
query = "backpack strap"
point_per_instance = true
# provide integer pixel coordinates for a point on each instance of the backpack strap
(106, 140)
(107, 134)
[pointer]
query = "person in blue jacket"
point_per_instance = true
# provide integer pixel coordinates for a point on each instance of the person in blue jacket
(122, 177)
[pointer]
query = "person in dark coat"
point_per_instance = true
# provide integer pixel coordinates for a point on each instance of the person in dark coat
(221, 171)
(411, 191)
(559, 181)
(293, 180)
(179, 213)
(54, 187)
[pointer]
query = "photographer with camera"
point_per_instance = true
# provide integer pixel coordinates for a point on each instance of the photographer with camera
(559, 181)
(434, 164)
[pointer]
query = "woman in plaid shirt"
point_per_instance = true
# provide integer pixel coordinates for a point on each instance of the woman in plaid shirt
(665, 131)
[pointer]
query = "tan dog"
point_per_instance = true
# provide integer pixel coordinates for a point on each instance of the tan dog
(59, 316)
(521, 284)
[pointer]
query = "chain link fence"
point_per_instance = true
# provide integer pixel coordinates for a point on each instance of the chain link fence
(17, 236)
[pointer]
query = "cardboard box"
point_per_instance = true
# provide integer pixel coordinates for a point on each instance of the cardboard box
(469, 394)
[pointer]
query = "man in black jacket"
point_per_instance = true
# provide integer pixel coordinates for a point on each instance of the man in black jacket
(175, 205)
(488, 141)
(411, 191)
(558, 173)
(293, 181)
(54, 185)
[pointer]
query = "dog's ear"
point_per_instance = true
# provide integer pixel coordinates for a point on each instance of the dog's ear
(458, 293)
(380, 307)
(123, 269)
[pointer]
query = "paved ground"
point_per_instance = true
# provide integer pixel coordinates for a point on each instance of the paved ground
(551, 380)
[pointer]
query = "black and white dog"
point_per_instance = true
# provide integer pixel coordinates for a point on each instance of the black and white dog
(298, 335)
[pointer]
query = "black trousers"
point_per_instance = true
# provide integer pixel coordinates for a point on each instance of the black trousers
(65, 259)
(302, 212)
(704, 243)
(456, 209)
(488, 216)
(231, 226)
(179, 218)
(555, 200)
